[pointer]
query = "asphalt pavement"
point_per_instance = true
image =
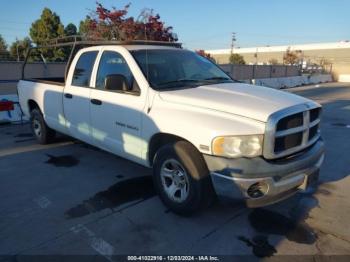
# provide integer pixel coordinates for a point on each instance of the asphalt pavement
(69, 198)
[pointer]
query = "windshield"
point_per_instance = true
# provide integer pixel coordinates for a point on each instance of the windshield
(176, 68)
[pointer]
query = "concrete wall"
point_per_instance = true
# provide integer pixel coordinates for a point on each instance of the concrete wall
(341, 71)
(245, 72)
(287, 82)
(344, 78)
(12, 70)
(10, 73)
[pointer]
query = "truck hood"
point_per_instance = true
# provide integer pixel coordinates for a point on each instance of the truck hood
(255, 102)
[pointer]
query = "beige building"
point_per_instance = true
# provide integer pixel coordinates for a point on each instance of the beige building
(336, 56)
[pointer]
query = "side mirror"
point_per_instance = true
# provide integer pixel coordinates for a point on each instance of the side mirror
(116, 82)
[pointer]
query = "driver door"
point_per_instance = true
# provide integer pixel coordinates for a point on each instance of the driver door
(116, 114)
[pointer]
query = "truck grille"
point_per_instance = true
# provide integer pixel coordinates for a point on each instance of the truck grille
(291, 130)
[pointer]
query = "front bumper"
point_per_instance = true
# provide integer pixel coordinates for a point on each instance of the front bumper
(235, 178)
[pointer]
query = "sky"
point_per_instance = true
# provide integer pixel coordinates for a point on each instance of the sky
(206, 24)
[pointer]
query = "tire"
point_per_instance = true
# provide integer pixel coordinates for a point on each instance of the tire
(43, 134)
(182, 179)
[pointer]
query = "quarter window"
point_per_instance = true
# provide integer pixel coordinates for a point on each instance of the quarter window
(83, 69)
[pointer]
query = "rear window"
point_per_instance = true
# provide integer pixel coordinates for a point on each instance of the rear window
(83, 69)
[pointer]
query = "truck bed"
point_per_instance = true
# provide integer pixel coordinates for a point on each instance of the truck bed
(45, 93)
(48, 80)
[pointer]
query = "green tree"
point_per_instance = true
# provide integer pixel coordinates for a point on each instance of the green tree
(48, 27)
(3, 45)
(84, 26)
(236, 59)
(4, 53)
(70, 29)
(19, 48)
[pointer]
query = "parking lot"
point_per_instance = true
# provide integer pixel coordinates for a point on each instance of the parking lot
(69, 198)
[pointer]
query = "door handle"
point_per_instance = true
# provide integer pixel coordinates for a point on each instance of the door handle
(96, 102)
(67, 95)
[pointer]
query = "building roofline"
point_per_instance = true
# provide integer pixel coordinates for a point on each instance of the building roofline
(282, 48)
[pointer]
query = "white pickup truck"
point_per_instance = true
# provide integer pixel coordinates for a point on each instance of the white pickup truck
(170, 109)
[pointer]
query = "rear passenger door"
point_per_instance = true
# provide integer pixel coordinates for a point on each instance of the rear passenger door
(116, 114)
(76, 96)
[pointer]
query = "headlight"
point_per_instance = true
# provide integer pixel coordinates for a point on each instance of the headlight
(238, 146)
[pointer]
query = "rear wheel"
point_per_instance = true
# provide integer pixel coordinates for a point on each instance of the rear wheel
(41, 131)
(182, 178)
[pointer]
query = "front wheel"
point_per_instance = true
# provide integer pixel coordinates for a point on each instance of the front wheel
(41, 131)
(182, 178)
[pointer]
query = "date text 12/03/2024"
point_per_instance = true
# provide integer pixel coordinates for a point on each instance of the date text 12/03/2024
(173, 258)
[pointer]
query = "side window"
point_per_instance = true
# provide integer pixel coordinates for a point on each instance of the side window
(112, 63)
(83, 69)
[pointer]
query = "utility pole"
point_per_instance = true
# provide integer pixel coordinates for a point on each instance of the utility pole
(233, 40)
(17, 52)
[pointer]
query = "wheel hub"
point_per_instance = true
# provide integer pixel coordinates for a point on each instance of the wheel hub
(179, 179)
(37, 127)
(175, 180)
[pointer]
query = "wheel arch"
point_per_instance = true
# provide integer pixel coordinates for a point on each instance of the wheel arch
(160, 139)
(32, 105)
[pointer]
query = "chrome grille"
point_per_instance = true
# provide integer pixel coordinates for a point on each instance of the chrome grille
(291, 130)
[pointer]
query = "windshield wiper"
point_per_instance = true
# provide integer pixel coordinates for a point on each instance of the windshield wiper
(179, 80)
(218, 78)
(201, 81)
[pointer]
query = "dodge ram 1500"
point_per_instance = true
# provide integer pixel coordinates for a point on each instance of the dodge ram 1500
(170, 109)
